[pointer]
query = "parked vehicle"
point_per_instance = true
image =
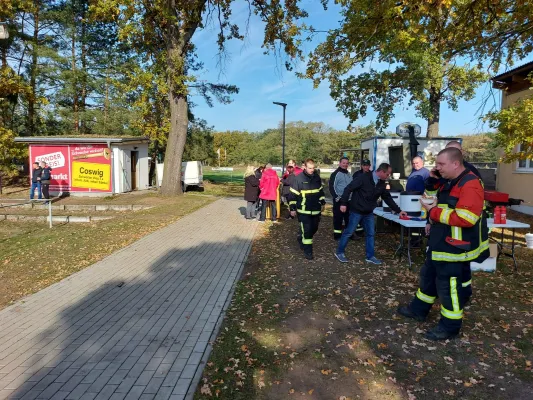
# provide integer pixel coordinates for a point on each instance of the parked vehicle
(192, 174)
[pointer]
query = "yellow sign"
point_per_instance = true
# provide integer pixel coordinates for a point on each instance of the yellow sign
(91, 175)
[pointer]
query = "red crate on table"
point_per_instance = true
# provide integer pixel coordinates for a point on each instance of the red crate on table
(496, 197)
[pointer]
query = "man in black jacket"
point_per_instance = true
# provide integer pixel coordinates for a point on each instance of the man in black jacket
(45, 180)
(339, 179)
(36, 181)
(365, 167)
(365, 189)
(307, 200)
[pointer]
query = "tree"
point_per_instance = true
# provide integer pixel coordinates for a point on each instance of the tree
(479, 147)
(199, 145)
(419, 45)
(514, 129)
(162, 30)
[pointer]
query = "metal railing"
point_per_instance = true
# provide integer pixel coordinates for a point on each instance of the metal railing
(25, 201)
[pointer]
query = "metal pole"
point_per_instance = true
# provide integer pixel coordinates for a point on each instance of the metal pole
(283, 144)
(50, 212)
(282, 137)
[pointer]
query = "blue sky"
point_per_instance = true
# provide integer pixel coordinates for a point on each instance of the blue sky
(262, 79)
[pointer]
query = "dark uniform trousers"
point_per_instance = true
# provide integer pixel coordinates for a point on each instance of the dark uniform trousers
(338, 219)
(308, 228)
(445, 280)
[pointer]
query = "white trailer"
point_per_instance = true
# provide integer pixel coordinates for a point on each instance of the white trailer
(396, 151)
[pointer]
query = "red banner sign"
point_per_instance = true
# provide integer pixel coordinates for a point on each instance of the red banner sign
(76, 168)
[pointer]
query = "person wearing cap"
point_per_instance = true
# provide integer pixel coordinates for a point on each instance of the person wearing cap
(296, 169)
(365, 167)
(339, 179)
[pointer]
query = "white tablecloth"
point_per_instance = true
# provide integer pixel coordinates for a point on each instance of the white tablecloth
(421, 224)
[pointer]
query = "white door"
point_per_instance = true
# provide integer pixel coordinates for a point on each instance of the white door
(126, 172)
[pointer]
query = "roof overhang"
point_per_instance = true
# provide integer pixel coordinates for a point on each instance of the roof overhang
(514, 80)
(81, 140)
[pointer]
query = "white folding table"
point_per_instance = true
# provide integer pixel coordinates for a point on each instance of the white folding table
(410, 224)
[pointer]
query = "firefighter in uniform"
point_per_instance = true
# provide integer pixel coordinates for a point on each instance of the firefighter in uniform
(339, 179)
(307, 200)
(433, 183)
(458, 235)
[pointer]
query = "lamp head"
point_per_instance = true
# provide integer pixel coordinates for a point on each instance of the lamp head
(280, 104)
(4, 32)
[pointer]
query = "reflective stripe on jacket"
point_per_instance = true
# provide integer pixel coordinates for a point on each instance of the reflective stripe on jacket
(307, 194)
(460, 230)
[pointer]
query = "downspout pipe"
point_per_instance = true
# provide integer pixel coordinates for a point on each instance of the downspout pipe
(112, 167)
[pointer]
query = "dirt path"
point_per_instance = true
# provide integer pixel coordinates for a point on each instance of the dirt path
(326, 330)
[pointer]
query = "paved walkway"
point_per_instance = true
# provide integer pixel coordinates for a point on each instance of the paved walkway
(135, 325)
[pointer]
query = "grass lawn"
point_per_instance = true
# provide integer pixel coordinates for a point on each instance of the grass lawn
(32, 256)
(234, 177)
(325, 330)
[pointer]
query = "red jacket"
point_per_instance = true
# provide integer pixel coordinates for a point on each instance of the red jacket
(269, 185)
(297, 170)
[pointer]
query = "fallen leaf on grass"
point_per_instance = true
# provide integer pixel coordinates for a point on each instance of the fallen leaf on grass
(206, 390)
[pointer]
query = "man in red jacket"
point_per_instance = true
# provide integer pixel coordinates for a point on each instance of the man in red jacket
(269, 192)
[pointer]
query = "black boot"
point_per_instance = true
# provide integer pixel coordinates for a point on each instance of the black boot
(408, 313)
(308, 256)
(437, 333)
(300, 242)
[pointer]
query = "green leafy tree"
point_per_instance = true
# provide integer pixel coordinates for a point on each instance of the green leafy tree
(419, 45)
(479, 148)
(162, 31)
(514, 129)
(199, 145)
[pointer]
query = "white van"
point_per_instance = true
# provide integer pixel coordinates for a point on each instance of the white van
(192, 174)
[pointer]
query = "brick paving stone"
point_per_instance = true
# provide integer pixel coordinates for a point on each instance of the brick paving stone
(134, 325)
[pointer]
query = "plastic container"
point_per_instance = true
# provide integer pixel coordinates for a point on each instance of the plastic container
(503, 215)
(410, 203)
(529, 240)
(497, 215)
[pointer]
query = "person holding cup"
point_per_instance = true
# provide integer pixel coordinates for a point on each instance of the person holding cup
(458, 235)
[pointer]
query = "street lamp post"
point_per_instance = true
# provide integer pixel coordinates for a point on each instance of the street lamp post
(284, 105)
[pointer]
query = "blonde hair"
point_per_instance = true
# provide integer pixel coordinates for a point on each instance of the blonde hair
(250, 170)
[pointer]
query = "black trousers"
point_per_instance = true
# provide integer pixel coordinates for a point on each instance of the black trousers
(445, 280)
(45, 189)
(308, 228)
(338, 219)
(264, 205)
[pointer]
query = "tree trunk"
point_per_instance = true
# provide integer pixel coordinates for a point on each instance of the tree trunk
(177, 38)
(171, 185)
(33, 72)
(83, 60)
(74, 81)
(433, 120)
(106, 101)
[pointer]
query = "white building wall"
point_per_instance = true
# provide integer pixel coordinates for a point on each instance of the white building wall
(117, 156)
(122, 167)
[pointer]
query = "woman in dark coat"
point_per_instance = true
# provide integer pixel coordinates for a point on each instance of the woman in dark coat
(251, 192)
